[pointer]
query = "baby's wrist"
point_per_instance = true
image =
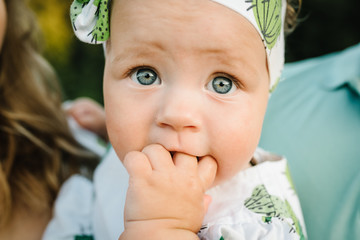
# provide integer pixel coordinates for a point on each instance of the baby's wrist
(156, 229)
(160, 234)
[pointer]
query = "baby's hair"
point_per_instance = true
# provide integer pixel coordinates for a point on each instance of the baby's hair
(292, 13)
(37, 150)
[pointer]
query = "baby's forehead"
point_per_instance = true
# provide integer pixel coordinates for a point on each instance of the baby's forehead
(165, 11)
(266, 17)
(222, 32)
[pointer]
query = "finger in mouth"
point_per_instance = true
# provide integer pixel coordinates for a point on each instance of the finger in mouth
(172, 153)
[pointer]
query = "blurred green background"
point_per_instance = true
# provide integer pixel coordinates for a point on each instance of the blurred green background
(325, 26)
(78, 65)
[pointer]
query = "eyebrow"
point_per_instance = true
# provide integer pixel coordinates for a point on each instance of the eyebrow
(228, 58)
(144, 49)
(133, 52)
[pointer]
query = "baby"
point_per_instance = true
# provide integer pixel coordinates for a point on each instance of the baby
(186, 85)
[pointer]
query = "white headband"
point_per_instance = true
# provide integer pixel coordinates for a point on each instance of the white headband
(90, 21)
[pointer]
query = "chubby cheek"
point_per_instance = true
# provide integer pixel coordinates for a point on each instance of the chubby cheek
(124, 121)
(236, 140)
(236, 155)
(121, 132)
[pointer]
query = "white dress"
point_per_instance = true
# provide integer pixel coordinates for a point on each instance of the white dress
(257, 203)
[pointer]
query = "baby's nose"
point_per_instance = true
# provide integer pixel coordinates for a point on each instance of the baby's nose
(180, 110)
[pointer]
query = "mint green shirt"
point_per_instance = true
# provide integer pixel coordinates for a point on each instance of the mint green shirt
(313, 119)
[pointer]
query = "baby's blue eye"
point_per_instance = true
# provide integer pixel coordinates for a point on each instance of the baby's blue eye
(145, 76)
(221, 85)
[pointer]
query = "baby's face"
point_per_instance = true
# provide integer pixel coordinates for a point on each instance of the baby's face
(190, 75)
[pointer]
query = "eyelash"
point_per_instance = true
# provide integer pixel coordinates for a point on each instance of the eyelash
(234, 79)
(229, 76)
(132, 70)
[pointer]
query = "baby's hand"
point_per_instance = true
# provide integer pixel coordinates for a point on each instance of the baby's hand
(89, 115)
(166, 196)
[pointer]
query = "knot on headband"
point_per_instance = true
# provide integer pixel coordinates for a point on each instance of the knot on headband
(90, 21)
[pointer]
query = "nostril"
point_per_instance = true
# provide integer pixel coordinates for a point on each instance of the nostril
(178, 120)
(163, 125)
(178, 126)
(192, 128)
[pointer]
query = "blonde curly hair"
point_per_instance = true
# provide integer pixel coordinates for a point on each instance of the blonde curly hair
(37, 150)
(292, 13)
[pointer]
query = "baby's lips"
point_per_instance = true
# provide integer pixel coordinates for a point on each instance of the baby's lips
(172, 153)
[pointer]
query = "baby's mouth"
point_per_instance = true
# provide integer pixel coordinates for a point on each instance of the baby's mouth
(172, 153)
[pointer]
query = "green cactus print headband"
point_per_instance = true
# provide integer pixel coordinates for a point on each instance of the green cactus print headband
(90, 21)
